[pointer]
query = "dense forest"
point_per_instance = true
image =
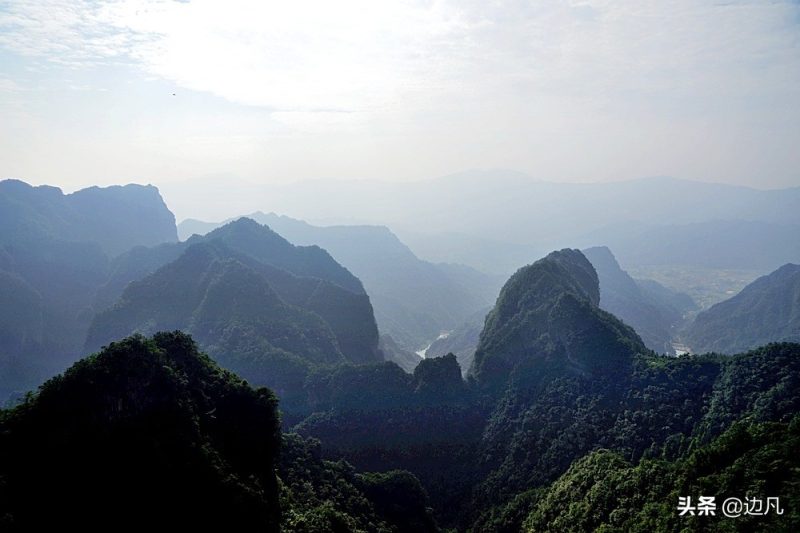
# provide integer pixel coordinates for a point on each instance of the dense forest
(240, 380)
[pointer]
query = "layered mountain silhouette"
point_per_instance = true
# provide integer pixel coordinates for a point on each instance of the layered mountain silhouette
(500, 205)
(55, 252)
(767, 310)
(269, 324)
(244, 236)
(651, 309)
(554, 410)
(116, 218)
(414, 300)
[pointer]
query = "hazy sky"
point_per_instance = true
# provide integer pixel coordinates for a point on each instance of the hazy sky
(160, 92)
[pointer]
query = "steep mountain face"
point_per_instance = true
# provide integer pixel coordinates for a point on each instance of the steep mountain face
(641, 306)
(306, 277)
(22, 334)
(116, 218)
(244, 236)
(268, 325)
(147, 431)
(767, 310)
(414, 300)
(571, 380)
(654, 311)
(56, 249)
(267, 246)
(547, 314)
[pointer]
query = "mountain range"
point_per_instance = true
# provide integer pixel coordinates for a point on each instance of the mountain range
(55, 251)
(239, 379)
(557, 385)
(414, 300)
(260, 305)
(515, 211)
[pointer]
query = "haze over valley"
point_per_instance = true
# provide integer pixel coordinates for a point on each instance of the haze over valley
(400, 267)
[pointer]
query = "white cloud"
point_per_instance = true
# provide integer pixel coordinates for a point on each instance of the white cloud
(354, 55)
(439, 85)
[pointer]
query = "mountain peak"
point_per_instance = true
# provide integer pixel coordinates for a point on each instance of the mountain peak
(547, 316)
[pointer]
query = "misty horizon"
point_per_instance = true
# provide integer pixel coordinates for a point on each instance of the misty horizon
(168, 92)
(405, 266)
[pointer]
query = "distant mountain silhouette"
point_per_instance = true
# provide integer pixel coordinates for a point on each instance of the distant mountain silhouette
(266, 323)
(647, 307)
(116, 218)
(414, 300)
(767, 310)
(723, 244)
(54, 254)
(242, 235)
(511, 207)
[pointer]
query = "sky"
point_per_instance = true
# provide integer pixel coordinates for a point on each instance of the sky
(171, 93)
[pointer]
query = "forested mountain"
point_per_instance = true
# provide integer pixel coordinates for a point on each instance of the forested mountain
(268, 324)
(548, 313)
(557, 378)
(150, 431)
(767, 310)
(566, 421)
(54, 254)
(414, 300)
(646, 306)
(739, 442)
(654, 311)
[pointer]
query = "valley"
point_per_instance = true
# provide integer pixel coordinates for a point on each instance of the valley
(289, 353)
